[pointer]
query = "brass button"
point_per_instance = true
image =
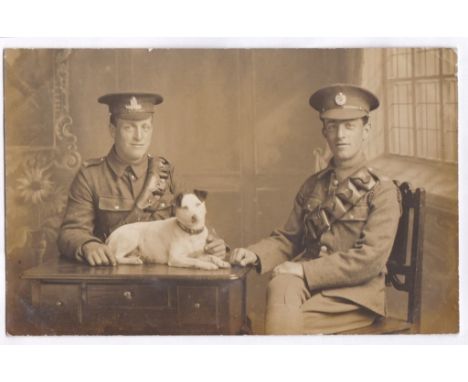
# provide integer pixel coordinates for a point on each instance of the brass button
(59, 303)
(335, 182)
(196, 305)
(324, 248)
(116, 206)
(163, 205)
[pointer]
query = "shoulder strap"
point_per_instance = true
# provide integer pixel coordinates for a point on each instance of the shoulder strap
(93, 162)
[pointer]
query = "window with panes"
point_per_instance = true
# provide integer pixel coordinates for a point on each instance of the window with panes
(422, 99)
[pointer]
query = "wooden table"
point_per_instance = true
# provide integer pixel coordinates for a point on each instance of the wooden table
(73, 298)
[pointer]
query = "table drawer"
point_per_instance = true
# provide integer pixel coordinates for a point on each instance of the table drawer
(128, 295)
(198, 305)
(62, 298)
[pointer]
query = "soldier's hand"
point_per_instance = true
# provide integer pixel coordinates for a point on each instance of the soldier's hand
(98, 254)
(243, 256)
(215, 246)
(290, 268)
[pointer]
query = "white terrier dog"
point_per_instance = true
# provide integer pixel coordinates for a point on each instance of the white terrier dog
(177, 241)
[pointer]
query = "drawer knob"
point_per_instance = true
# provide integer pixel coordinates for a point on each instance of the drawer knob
(196, 305)
(59, 303)
(128, 295)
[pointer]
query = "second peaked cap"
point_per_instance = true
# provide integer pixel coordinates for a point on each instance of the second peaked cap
(343, 101)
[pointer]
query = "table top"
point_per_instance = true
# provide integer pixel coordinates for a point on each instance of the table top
(66, 270)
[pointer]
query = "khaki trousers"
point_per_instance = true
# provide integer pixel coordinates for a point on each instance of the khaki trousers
(292, 309)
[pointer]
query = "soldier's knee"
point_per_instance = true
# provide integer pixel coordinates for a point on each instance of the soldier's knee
(286, 289)
(278, 283)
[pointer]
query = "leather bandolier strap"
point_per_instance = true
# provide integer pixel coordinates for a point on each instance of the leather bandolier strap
(158, 178)
(349, 192)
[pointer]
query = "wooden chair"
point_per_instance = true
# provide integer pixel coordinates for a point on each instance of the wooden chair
(405, 264)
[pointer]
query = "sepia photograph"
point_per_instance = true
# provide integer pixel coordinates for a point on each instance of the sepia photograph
(260, 191)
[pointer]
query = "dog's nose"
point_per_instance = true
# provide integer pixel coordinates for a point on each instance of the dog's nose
(194, 218)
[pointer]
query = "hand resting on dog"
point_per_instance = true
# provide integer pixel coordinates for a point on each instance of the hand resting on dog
(215, 246)
(98, 254)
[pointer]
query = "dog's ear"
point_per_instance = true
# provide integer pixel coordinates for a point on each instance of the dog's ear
(201, 194)
(178, 200)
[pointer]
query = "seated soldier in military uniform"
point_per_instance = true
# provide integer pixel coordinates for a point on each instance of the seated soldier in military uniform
(329, 259)
(127, 185)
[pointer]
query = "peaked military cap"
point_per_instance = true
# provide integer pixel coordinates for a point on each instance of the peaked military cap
(343, 101)
(134, 106)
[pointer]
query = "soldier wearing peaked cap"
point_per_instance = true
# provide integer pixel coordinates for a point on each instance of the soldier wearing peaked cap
(329, 259)
(127, 185)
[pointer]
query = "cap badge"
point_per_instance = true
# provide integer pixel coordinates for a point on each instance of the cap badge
(340, 99)
(133, 105)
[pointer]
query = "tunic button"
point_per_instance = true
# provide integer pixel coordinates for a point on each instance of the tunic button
(117, 207)
(324, 248)
(163, 205)
(335, 182)
(132, 177)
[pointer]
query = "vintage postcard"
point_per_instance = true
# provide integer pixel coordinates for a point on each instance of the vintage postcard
(231, 191)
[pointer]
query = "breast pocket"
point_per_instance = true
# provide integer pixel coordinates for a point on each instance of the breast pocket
(164, 208)
(111, 210)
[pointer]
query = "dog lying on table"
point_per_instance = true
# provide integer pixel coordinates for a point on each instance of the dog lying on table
(178, 241)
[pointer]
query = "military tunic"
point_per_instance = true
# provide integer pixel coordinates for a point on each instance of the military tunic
(103, 194)
(348, 262)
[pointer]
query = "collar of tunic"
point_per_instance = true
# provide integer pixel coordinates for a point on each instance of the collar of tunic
(119, 167)
(343, 171)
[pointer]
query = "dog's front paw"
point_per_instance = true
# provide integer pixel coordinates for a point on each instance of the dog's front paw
(219, 262)
(207, 266)
(130, 261)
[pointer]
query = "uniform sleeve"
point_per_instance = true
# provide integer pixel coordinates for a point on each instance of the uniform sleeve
(79, 221)
(283, 244)
(368, 257)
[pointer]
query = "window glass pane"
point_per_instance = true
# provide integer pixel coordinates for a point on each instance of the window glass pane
(450, 118)
(399, 63)
(426, 62)
(449, 61)
(428, 119)
(401, 115)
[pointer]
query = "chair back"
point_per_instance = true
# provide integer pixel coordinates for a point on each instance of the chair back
(405, 262)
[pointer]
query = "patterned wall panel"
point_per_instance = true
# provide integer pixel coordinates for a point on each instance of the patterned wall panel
(41, 156)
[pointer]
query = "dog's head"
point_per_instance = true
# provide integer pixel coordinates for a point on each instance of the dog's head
(190, 209)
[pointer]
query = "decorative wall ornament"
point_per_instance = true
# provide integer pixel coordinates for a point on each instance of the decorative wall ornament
(67, 155)
(37, 177)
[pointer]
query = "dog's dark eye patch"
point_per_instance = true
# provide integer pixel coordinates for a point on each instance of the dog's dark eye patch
(201, 194)
(178, 200)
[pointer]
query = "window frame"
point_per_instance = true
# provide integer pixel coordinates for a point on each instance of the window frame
(414, 79)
